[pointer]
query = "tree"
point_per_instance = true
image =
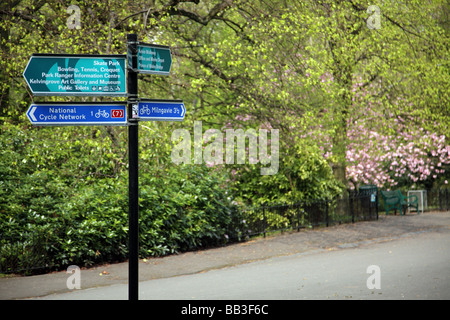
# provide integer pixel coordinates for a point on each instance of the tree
(306, 68)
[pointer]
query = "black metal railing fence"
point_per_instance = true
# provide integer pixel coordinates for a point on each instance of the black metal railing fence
(438, 199)
(26, 253)
(351, 207)
(30, 253)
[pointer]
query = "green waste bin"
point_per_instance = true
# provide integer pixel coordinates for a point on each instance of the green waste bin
(369, 198)
(370, 190)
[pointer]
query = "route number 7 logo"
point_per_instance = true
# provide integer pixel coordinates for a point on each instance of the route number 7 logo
(117, 113)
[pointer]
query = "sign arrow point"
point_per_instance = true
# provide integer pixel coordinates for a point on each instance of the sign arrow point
(33, 109)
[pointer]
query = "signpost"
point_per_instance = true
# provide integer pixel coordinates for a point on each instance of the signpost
(161, 110)
(104, 75)
(77, 114)
(76, 75)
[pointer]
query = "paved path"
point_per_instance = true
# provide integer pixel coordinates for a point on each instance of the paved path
(414, 266)
(425, 236)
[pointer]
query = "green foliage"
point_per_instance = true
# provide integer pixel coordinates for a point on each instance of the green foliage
(74, 196)
(304, 175)
(47, 191)
(185, 208)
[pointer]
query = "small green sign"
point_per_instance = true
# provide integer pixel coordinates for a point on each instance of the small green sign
(76, 75)
(154, 59)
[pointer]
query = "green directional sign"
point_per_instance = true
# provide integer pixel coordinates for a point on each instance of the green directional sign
(76, 75)
(153, 59)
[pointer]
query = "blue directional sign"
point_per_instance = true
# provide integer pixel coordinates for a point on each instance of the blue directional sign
(161, 110)
(76, 75)
(77, 114)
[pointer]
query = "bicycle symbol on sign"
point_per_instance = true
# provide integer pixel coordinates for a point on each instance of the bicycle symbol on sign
(145, 110)
(101, 113)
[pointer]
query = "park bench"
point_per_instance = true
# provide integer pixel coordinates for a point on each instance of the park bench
(395, 200)
(409, 201)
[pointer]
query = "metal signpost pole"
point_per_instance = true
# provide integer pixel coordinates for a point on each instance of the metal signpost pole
(133, 163)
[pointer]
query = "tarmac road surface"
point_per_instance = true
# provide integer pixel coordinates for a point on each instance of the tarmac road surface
(409, 265)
